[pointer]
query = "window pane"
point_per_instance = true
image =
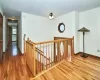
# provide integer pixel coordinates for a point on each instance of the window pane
(14, 38)
(14, 31)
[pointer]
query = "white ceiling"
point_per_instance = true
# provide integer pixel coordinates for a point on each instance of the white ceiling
(44, 7)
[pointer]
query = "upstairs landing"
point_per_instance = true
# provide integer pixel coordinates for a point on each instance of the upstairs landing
(78, 69)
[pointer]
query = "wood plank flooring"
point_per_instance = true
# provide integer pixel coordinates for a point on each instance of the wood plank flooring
(14, 68)
(14, 65)
(79, 69)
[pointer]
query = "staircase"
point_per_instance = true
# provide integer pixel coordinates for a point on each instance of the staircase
(43, 55)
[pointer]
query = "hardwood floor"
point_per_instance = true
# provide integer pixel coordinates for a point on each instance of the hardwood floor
(14, 68)
(13, 50)
(79, 69)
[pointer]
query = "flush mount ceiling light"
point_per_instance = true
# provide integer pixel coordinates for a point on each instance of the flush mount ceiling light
(12, 18)
(51, 16)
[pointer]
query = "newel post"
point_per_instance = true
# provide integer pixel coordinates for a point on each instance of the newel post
(34, 59)
(66, 49)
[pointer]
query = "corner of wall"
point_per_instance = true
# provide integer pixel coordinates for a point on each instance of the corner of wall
(1, 11)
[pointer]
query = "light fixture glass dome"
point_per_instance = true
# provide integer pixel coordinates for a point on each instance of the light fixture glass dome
(51, 16)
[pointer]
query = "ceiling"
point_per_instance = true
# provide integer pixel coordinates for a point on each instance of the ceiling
(44, 7)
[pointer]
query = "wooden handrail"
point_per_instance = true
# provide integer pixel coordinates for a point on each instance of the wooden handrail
(46, 54)
(40, 52)
(53, 41)
(30, 42)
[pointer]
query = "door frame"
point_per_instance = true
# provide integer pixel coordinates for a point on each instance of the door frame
(1, 17)
(1, 41)
(13, 21)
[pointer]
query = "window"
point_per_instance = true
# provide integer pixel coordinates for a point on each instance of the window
(14, 31)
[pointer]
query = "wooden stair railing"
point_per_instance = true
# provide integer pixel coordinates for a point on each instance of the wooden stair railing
(43, 55)
(39, 64)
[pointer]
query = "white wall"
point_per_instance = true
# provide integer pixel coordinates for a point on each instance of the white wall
(67, 19)
(4, 34)
(75, 32)
(41, 29)
(37, 28)
(4, 31)
(1, 11)
(20, 33)
(91, 20)
(71, 24)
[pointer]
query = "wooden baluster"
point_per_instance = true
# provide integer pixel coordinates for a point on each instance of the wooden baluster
(37, 59)
(58, 51)
(46, 54)
(40, 63)
(26, 52)
(51, 54)
(28, 46)
(66, 46)
(65, 49)
(62, 48)
(49, 61)
(54, 52)
(41, 58)
(28, 49)
(71, 47)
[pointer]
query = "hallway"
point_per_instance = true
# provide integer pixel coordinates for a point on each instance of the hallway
(13, 49)
(14, 66)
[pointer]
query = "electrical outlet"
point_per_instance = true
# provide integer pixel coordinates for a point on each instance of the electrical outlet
(98, 50)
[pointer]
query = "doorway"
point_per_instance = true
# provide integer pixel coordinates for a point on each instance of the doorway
(12, 37)
(1, 37)
(12, 32)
